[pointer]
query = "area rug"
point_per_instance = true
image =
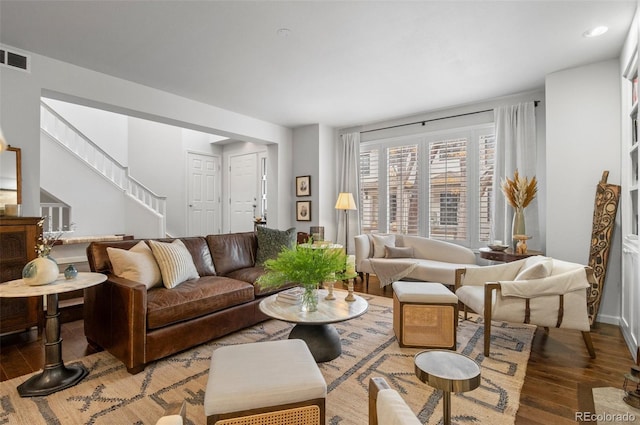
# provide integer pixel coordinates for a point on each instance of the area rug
(109, 395)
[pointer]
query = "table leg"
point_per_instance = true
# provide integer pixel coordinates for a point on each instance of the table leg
(323, 340)
(55, 376)
(446, 404)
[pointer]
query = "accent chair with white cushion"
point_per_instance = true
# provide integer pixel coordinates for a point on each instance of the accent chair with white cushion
(386, 406)
(537, 290)
(403, 257)
(175, 414)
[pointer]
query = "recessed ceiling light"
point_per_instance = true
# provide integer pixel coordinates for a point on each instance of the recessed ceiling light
(595, 31)
(283, 32)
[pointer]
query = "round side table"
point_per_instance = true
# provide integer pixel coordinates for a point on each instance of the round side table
(55, 375)
(447, 371)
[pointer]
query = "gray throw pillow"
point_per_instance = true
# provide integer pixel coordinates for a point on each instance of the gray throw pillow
(272, 241)
(398, 252)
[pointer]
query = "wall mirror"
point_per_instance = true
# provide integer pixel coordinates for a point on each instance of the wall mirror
(10, 176)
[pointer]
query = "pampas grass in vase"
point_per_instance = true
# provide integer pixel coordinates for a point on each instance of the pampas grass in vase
(519, 193)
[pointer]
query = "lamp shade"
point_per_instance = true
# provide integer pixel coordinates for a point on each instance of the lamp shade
(345, 201)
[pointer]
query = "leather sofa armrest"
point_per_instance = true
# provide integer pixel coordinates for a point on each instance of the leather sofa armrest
(116, 319)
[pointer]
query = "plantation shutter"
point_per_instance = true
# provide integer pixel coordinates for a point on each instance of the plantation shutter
(369, 193)
(448, 215)
(486, 156)
(402, 190)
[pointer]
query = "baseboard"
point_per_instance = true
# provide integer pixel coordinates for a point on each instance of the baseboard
(608, 319)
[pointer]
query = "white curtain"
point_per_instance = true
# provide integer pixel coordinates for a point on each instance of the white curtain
(515, 149)
(348, 181)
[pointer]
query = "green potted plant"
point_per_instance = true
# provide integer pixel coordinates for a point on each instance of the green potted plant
(308, 266)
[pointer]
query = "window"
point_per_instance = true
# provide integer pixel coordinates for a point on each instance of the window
(435, 184)
(449, 208)
(369, 191)
(402, 190)
(486, 156)
(448, 189)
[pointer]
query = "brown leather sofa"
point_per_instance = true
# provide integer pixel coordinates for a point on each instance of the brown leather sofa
(139, 326)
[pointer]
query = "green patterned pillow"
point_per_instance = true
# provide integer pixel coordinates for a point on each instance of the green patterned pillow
(271, 242)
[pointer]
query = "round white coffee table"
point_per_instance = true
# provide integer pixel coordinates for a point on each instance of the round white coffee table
(55, 376)
(315, 328)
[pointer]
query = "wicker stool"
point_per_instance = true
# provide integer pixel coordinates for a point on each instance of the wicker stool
(274, 382)
(425, 314)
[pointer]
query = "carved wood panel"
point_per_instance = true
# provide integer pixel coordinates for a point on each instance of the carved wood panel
(604, 217)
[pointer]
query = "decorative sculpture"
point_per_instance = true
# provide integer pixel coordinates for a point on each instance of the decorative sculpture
(604, 217)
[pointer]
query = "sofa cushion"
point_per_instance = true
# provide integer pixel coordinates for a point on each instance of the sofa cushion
(233, 251)
(398, 252)
(201, 255)
(535, 267)
(137, 264)
(194, 298)
(379, 243)
(248, 274)
(272, 241)
(175, 262)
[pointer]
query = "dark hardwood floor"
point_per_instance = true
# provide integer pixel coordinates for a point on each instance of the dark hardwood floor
(559, 362)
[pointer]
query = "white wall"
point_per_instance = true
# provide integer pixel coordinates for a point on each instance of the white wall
(314, 149)
(91, 196)
(20, 94)
(156, 159)
(583, 140)
(327, 190)
(306, 163)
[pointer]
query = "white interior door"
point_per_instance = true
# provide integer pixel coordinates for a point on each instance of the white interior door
(243, 191)
(203, 207)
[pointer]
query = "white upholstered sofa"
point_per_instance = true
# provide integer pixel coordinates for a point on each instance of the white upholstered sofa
(395, 257)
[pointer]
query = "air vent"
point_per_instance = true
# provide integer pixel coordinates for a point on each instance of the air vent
(14, 60)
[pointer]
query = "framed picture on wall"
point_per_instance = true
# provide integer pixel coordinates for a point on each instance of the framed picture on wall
(303, 186)
(303, 211)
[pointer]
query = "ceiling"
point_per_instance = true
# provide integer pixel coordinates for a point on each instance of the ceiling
(341, 63)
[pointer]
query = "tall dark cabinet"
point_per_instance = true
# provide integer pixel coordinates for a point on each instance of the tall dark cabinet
(18, 238)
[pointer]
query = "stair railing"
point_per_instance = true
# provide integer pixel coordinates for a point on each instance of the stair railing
(63, 132)
(58, 217)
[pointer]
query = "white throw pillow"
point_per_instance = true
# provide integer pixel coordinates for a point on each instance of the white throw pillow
(175, 261)
(379, 242)
(137, 264)
(536, 267)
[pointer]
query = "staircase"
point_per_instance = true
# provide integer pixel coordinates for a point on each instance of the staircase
(60, 130)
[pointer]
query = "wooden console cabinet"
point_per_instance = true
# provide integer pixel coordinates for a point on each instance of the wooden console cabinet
(18, 238)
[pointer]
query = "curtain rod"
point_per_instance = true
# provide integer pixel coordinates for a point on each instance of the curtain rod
(423, 122)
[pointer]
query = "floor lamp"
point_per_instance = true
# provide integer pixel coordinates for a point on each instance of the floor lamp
(346, 202)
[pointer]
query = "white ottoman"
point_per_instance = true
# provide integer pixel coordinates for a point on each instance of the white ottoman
(425, 314)
(273, 382)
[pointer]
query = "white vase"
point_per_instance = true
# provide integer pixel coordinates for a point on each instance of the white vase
(41, 271)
